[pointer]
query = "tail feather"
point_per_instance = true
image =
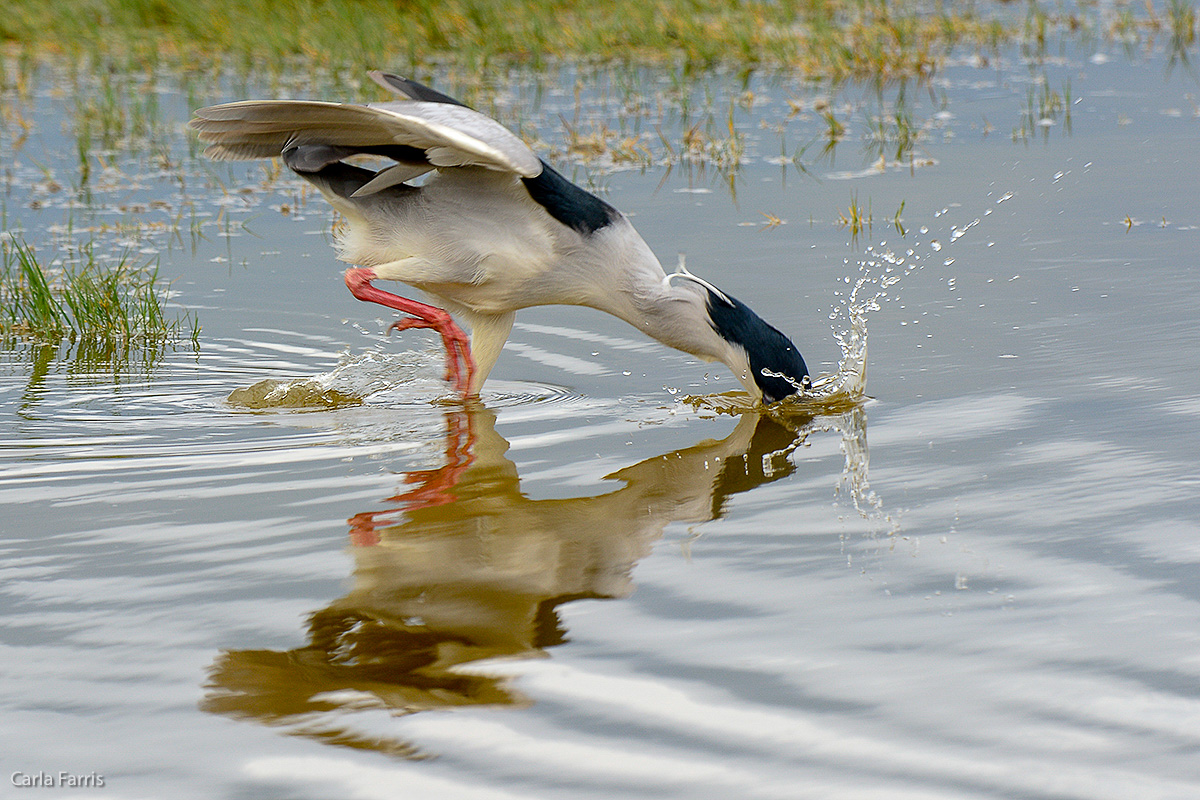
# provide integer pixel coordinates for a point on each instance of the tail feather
(338, 179)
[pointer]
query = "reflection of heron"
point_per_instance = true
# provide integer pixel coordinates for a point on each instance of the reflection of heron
(465, 567)
(494, 230)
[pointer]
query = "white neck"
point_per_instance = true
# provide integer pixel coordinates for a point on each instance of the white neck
(673, 311)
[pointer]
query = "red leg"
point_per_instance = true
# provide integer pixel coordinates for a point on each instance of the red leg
(460, 365)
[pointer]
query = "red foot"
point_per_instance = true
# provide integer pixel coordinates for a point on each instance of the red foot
(460, 365)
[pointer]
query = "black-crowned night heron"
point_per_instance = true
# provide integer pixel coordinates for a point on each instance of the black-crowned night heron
(495, 230)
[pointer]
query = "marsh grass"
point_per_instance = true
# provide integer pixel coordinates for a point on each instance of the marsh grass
(840, 39)
(892, 134)
(836, 39)
(1044, 108)
(1181, 21)
(121, 50)
(101, 308)
(121, 109)
(856, 218)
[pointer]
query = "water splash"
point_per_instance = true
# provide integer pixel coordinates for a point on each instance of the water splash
(854, 484)
(878, 273)
(382, 378)
(356, 380)
(837, 392)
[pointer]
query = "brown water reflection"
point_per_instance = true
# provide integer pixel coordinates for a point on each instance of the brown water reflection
(463, 566)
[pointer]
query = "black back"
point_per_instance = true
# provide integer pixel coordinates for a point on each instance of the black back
(572, 206)
(569, 204)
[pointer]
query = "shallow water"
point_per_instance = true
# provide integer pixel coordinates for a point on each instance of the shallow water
(981, 582)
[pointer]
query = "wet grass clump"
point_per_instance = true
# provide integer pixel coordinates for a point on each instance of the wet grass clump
(96, 305)
(297, 395)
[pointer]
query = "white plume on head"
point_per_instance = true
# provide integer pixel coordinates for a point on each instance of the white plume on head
(681, 271)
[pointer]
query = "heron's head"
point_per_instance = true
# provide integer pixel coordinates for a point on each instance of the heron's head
(773, 362)
(766, 362)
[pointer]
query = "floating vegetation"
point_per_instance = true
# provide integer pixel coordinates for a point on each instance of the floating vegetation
(897, 220)
(370, 377)
(719, 144)
(120, 109)
(1181, 17)
(891, 133)
(303, 394)
(856, 218)
(835, 131)
(1044, 108)
(101, 308)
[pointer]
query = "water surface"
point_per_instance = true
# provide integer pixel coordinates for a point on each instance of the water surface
(981, 582)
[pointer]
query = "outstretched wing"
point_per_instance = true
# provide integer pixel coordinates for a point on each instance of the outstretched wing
(423, 131)
(449, 135)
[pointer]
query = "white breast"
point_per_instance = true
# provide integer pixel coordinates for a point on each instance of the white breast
(469, 235)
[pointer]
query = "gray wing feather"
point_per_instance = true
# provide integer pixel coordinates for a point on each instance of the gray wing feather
(241, 151)
(450, 135)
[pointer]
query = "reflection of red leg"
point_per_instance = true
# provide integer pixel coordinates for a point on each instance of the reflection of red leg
(362, 535)
(433, 485)
(458, 347)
